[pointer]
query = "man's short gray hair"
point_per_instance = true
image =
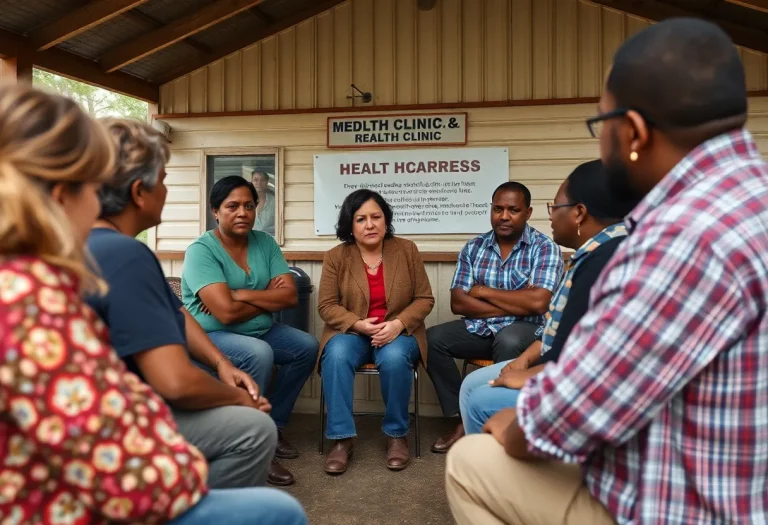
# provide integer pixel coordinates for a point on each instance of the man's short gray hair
(142, 152)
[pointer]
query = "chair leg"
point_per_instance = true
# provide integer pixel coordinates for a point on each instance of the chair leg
(416, 408)
(464, 369)
(320, 442)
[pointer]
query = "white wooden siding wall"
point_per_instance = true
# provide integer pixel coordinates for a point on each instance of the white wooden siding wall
(460, 51)
(545, 143)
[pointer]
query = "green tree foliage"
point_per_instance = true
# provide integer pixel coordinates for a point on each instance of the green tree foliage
(96, 101)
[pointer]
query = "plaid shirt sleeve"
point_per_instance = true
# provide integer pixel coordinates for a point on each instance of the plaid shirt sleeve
(662, 311)
(462, 278)
(547, 266)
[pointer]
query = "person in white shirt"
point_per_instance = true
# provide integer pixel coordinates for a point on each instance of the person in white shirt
(265, 209)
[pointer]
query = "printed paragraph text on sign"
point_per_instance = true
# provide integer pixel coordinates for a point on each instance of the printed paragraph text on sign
(430, 191)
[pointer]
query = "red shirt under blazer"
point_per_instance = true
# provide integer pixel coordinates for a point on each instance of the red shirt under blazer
(344, 296)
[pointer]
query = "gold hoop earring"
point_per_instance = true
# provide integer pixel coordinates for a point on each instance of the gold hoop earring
(578, 230)
(633, 156)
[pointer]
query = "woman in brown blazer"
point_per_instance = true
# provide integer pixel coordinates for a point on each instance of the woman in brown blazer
(374, 296)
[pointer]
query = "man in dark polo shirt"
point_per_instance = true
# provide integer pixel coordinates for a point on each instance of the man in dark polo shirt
(224, 417)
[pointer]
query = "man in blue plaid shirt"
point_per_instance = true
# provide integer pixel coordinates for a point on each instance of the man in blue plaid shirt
(502, 287)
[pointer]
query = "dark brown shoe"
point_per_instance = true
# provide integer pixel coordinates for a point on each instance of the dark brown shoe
(398, 455)
(279, 475)
(442, 445)
(337, 460)
(284, 449)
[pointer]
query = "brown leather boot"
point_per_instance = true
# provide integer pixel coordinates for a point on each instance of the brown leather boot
(279, 475)
(398, 455)
(442, 445)
(337, 460)
(284, 449)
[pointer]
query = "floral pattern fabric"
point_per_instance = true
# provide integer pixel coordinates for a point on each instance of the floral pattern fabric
(82, 440)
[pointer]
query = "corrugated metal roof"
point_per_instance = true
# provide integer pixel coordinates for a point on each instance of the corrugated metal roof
(223, 33)
(726, 11)
(277, 9)
(24, 16)
(94, 42)
(157, 64)
(167, 11)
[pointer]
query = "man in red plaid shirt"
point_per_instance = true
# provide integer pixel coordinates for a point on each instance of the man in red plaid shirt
(661, 393)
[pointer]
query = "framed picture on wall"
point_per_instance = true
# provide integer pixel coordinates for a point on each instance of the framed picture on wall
(261, 167)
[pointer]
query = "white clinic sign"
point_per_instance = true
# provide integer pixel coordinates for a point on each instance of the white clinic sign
(431, 191)
(431, 129)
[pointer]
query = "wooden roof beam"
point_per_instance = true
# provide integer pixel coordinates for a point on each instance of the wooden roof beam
(760, 5)
(179, 29)
(153, 23)
(658, 11)
(79, 21)
(240, 43)
(75, 67)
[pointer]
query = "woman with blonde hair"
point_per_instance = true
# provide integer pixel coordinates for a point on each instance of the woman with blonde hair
(82, 439)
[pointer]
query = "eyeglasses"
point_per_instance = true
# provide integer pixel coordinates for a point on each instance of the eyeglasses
(551, 206)
(595, 124)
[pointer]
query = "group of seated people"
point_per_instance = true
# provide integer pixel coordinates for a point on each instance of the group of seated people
(374, 297)
(88, 437)
(122, 402)
(213, 355)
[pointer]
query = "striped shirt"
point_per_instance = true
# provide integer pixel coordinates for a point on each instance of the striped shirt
(661, 392)
(560, 299)
(534, 261)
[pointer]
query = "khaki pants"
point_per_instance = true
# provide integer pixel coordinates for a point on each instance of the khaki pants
(486, 486)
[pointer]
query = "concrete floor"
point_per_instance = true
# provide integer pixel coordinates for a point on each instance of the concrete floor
(368, 493)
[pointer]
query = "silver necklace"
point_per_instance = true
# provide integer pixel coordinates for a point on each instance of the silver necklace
(381, 259)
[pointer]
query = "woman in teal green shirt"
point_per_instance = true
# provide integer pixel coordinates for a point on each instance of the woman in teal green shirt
(233, 279)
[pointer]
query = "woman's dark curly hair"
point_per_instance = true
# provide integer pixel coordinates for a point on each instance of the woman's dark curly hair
(351, 204)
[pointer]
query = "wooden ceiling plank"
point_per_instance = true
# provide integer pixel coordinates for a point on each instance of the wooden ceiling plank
(153, 23)
(760, 5)
(72, 66)
(79, 21)
(658, 11)
(138, 48)
(240, 43)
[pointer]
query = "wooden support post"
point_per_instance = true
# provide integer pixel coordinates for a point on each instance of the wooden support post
(16, 69)
(152, 232)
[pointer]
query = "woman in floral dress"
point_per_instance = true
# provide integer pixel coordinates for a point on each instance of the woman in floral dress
(81, 439)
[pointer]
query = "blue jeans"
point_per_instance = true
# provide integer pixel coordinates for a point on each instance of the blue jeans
(345, 353)
(293, 350)
(251, 506)
(478, 400)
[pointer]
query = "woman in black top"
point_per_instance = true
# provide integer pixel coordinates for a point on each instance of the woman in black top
(588, 220)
